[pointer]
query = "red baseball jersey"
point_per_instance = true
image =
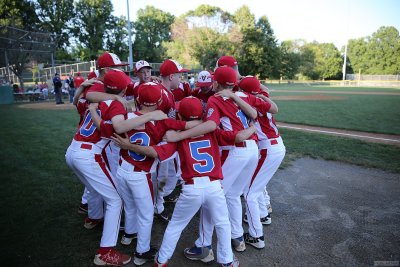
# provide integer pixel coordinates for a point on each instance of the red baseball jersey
(266, 125)
(168, 102)
(199, 156)
(110, 109)
(226, 113)
(182, 91)
(87, 130)
(203, 96)
(96, 87)
(150, 135)
(78, 80)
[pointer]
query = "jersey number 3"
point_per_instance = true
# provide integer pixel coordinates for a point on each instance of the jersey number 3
(205, 161)
(139, 138)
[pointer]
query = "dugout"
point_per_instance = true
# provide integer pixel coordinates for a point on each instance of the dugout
(6, 94)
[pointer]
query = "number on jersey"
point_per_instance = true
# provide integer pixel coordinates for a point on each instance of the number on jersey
(205, 161)
(139, 138)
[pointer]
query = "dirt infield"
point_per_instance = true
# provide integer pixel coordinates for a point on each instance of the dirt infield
(46, 105)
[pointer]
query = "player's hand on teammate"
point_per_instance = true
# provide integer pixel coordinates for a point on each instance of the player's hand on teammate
(157, 115)
(120, 141)
(171, 136)
(155, 79)
(93, 106)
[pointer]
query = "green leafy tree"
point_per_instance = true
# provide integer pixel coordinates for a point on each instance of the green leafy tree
(18, 13)
(93, 19)
(152, 28)
(56, 17)
(290, 59)
(259, 53)
(117, 37)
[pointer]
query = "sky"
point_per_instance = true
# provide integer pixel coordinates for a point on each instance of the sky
(324, 21)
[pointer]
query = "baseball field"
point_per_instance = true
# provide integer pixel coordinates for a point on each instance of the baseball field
(40, 195)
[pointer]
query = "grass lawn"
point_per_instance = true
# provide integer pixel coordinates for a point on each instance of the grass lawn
(39, 196)
(369, 113)
(310, 87)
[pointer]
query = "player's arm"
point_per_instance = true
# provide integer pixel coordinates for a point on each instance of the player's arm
(97, 97)
(95, 116)
(81, 88)
(124, 143)
(245, 107)
(191, 124)
(245, 134)
(274, 108)
(264, 88)
(203, 128)
(122, 126)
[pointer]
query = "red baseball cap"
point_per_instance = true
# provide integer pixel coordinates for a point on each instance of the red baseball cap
(226, 61)
(142, 64)
(93, 74)
(250, 84)
(170, 66)
(191, 108)
(108, 60)
(225, 76)
(116, 80)
(204, 79)
(149, 94)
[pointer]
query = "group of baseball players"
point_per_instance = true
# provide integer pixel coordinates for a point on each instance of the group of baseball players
(136, 142)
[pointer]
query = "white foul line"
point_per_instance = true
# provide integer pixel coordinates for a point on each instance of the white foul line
(337, 133)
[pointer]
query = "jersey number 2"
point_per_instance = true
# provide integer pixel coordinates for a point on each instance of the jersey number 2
(205, 161)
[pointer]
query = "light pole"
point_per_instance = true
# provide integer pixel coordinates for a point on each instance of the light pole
(130, 60)
(345, 62)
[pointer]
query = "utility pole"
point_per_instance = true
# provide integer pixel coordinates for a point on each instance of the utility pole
(130, 60)
(345, 62)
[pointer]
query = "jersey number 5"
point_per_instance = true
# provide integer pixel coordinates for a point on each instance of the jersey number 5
(205, 161)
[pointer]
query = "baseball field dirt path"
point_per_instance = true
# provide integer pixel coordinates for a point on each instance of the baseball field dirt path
(369, 137)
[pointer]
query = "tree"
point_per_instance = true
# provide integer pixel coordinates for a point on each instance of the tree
(117, 37)
(18, 13)
(259, 53)
(320, 61)
(152, 28)
(93, 19)
(290, 58)
(56, 17)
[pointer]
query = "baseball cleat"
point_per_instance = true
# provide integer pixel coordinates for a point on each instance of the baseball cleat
(83, 208)
(162, 216)
(234, 263)
(158, 264)
(238, 244)
(91, 223)
(142, 258)
(204, 254)
(126, 239)
(257, 242)
(112, 258)
(266, 220)
(171, 199)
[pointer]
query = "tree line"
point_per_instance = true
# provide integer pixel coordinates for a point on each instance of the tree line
(86, 28)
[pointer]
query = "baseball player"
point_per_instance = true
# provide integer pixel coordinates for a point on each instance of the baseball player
(168, 171)
(183, 90)
(272, 152)
(228, 109)
(201, 172)
(204, 87)
(135, 170)
(84, 158)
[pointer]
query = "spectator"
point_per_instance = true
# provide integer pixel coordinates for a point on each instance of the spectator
(78, 80)
(71, 90)
(57, 88)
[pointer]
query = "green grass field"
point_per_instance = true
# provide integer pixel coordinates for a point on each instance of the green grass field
(310, 86)
(369, 113)
(39, 196)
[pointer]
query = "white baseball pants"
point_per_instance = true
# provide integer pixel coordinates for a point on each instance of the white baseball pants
(209, 195)
(87, 163)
